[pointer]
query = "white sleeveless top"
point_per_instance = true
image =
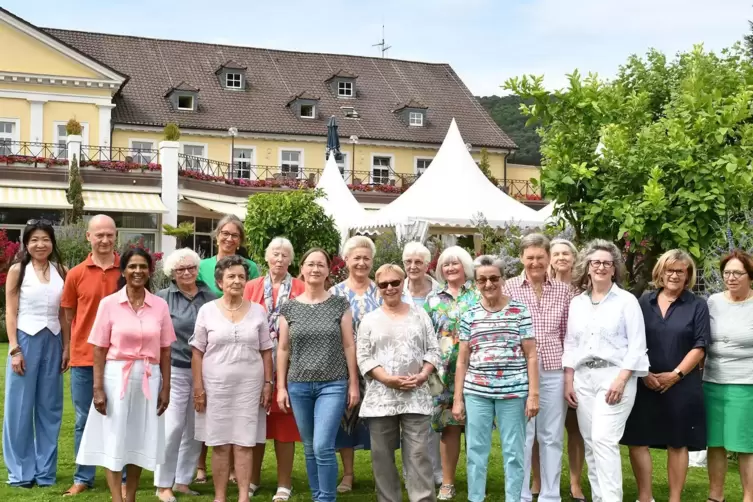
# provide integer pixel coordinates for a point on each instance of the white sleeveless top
(39, 304)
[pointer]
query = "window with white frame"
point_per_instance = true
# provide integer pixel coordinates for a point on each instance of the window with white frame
(380, 170)
(185, 102)
(61, 135)
(422, 165)
(6, 137)
(243, 159)
(233, 80)
(416, 119)
(195, 152)
(142, 152)
(308, 111)
(290, 165)
(345, 89)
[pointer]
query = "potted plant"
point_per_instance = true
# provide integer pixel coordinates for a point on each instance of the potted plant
(172, 132)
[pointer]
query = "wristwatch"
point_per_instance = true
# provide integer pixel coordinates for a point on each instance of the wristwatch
(15, 350)
(679, 373)
(270, 382)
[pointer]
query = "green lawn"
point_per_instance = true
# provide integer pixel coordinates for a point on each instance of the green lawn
(695, 490)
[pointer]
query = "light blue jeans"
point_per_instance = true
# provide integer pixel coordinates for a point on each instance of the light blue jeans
(318, 408)
(511, 422)
(34, 411)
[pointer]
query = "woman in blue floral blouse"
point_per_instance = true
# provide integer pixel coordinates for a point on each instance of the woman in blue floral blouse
(446, 307)
(363, 296)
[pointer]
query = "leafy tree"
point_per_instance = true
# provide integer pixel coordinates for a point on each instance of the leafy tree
(658, 158)
(749, 40)
(483, 164)
(293, 214)
(72, 243)
(505, 111)
(75, 193)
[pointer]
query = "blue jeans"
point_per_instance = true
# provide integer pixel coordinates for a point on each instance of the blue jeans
(82, 394)
(34, 411)
(318, 408)
(511, 422)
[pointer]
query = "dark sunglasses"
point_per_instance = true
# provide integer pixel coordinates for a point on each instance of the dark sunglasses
(394, 284)
(39, 222)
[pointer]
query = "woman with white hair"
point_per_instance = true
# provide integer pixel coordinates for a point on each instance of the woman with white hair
(185, 296)
(446, 307)
(271, 292)
(363, 296)
(604, 354)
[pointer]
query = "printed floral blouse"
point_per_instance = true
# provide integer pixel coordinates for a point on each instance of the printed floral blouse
(446, 313)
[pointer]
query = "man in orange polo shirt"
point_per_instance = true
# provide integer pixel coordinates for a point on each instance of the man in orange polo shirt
(85, 285)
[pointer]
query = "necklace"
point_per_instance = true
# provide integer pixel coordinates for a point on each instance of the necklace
(729, 296)
(229, 309)
(136, 304)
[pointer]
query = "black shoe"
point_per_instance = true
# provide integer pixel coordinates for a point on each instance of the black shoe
(575, 499)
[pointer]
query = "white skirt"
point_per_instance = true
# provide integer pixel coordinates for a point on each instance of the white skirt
(131, 432)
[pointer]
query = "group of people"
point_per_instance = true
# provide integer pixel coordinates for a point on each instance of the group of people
(226, 359)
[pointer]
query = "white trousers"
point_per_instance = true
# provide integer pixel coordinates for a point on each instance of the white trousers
(601, 426)
(549, 428)
(181, 449)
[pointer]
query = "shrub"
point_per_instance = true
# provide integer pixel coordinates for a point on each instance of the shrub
(75, 193)
(73, 128)
(172, 132)
(74, 248)
(388, 249)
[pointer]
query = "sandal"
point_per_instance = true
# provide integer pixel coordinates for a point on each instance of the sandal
(577, 499)
(282, 495)
(252, 489)
(446, 492)
(189, 492)
(201, 476)
(344, 487)
(169, 499)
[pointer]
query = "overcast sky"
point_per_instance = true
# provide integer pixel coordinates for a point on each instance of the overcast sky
(485, 41)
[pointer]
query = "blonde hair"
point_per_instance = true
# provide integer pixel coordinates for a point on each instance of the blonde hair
(667, 259)
(573, 250)
(389, 267)
(358, 241)
(459, 254)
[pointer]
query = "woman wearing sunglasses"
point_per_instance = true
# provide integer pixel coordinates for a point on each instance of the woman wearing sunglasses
(397, 350)
(497, 376)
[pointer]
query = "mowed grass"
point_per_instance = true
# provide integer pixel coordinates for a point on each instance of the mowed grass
(695, 489)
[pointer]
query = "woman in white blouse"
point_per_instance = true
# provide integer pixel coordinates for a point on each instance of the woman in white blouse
(605, 353)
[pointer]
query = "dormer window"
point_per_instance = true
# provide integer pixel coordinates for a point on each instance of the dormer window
(412, 113)
(345, 89)
(350, 112)
(185, 102)
(343, 84)
(183, 97)
(232, 76)
(234, 80)
(304, 105)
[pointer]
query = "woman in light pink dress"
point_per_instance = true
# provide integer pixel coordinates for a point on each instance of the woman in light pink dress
(232, 371)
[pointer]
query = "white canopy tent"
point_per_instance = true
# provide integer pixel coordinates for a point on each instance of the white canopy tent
(546, 212)
(453, 192)
(339, 202)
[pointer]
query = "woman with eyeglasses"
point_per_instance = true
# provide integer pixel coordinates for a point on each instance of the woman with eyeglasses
(38, 340)
(317, 372)
(497, 376)
(397, 350)
(604, 355)
(728, 376)
(184, 297)
(272, 292)
(230, 239)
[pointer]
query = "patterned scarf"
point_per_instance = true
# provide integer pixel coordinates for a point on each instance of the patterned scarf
(273, 311)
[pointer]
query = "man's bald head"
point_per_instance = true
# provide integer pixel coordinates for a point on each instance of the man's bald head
(101, 234)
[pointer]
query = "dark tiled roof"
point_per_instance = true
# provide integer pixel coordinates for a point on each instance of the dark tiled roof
(342, 74)
(303, 95)
(272, 77)
(182, 87)
(413, 103)
(230, 65)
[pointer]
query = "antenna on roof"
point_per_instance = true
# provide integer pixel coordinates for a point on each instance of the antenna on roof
(383, 45)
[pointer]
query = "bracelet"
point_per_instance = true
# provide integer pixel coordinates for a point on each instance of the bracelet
(269, 382)
(201, 394)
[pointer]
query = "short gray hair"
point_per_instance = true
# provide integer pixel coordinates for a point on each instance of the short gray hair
(581, 279)
(535, 241)
(358, 241)
(488, 260)
(456, 253)
(416, 248)
(178, 256)
(280, 242)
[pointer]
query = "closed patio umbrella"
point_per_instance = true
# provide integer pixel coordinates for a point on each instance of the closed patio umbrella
(333, 140)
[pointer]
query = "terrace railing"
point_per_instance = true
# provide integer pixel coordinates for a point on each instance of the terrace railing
(95, 155)
(522, 189)
(32, 153)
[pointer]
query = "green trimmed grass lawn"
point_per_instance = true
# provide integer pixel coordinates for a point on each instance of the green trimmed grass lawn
(695, 489)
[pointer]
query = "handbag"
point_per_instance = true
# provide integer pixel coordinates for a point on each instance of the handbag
(436, 387)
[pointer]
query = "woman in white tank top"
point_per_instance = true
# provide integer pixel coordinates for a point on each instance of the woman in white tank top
(34, 374)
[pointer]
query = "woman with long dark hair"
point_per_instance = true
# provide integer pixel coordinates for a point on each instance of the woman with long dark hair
(33, 376)
(131, 335)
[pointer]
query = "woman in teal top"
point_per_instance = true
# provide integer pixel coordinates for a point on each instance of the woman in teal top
(230, 237)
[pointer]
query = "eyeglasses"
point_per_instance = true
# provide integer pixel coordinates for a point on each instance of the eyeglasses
(230, 235)
(598, 264)
(734, 273)
(386, 284)
(184, 270)
(493, 279)
(678, 273)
